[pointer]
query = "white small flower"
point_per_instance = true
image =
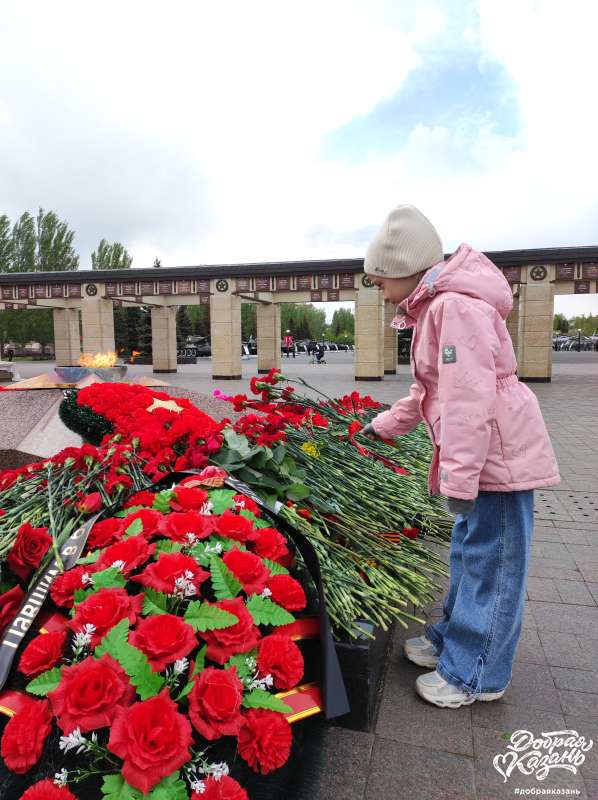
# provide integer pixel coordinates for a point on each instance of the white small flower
(251, 663)
(189, 575)
(183, 587)
(83, 637)
(217, 771)
(214, 548)
(262, 683)
(120, 565)
(86, 579)
(198, 786)
(61, 778)
(266, 592)
(74, 739)
(180, 665)
(191, 539)
(206, 508)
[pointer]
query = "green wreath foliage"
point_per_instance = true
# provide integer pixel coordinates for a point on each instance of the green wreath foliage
(90, 426)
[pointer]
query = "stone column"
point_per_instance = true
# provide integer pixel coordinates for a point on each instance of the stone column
(268, 337)
(164, 347)
(369, 334)
(67, 342)
(225, 334)
(534, 333)
(97, 322)
(390, 340)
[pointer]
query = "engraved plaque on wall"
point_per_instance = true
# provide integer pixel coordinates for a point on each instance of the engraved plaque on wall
(183, 287)
(203, 285)
(589, 271)
(7, 292)
(111, 290)
(333, 294)
(74, 289)
(204, 299)
(56, 290)
(565, 272)
(243, 285)
(128, 288)
(512, 274)
(316, 295)
(262, 284)
(146, 287)
(303, 282)
(23, 292)
(164, 287)
(582, 287)
(283, 283)
(346, 280)
(39, 290)
(325, 281)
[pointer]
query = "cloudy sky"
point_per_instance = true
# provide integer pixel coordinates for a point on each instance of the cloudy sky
(214, 132)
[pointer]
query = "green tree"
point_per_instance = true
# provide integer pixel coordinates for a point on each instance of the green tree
(560, 323)
(145, 333)
(200, 319)
(54, 244)
(110, 256)
(183, 326)
(248, 320)
(24, 244)
(6, 245)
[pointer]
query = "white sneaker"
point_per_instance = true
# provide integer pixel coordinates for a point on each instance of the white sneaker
(421, 651)
(433, 688)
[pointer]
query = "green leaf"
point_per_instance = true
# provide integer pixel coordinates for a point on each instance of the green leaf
(298, 491)
(44, 683)
(222, 499)
(275, 569)
(110, 578)
(154, 602)
(224, 583)
(124, 512)
(132, 660)
(506, 736)
(260, 521)
(79, 596)
(260, 459)
(134, 529)
(260, 698)
(206, 617)
(167, 546)
(279, 453)
(162, 501)
(90, 558)
(237, 441)
(265, 612)
(170, 788)
(115, 787)
(240, 662)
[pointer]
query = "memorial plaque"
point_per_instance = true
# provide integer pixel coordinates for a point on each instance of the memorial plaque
(128, 288)
(565, 272)
(8, 306)
(39, 290)
(146, 287)
(346, 280)
(589, 271)
(23, 292)
(203, 285)
(512, 274)
(184, 287)
(283, 284)
(325, 281)
(111, 290)
(582, 287)
(303, 282)
(204, 299)
(7, 292)
(333, 294)
(164, 287)
(262, 284)
(316, 295)
(56, 290)
(74, 289)
(243, 285)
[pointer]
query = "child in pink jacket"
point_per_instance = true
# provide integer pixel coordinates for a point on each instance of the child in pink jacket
(491, 449)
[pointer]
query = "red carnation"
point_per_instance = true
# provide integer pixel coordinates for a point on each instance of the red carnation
(90, 503)
(241, 501)
(65, 585)
(248, 568)
(163, 638)
(150, 520)
(234, 526)
(91, 694)
(163, 573)
(105, 532)
(271, 544)
(144, 498)
(104, 609)
(9, 605)
(188, 499)
(134, 551)
(411, 533)
(264, 740)
(152, 739)
(30, 546)
(47, 790)
(225, 788)
(177, 526)
(238, 638)
(25, 734)
(42, 653)
(287, 592)
(280, 657)
(215, 703)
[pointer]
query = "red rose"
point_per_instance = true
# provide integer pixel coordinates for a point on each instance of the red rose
(411, 533)
(287, 592)
(42, 653)
(177, 526)
(30, 546)
(163, 638)
(47, 790)
(264, 740)
(225, 788)
(103, 609)
(234, 526)
(238, 638)
(144, 498)
(152, 739)
(91, 503)
(9, 605)
(134, 551)
(150, 519)
(248, 568)
(91, 694)
(105, 532)
(187, 499)
(271, 544)
(65, 585)
(215, 703)
(25, 734)
(196, 457)
(241, 501)
(280, 657)
(163, 573)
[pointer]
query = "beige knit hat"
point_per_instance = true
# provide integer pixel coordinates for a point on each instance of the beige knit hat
(407, 243)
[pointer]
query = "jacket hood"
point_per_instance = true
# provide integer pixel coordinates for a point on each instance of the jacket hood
(467, 272)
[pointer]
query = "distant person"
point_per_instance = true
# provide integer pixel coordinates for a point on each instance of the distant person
(289, 344)
(10, 353)
(320, 354)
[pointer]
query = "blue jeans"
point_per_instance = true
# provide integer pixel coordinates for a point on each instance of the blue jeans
(477, 636)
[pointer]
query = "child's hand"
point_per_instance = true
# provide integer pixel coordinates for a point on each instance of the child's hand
(369, 430)
(458, 506)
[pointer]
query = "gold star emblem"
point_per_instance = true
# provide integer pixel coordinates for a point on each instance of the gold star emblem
(169, 405)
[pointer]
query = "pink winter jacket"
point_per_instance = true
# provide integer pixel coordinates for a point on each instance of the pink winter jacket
(486, 427)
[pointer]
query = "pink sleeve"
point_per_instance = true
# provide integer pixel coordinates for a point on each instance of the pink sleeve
(400, 418)
(467, 343)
